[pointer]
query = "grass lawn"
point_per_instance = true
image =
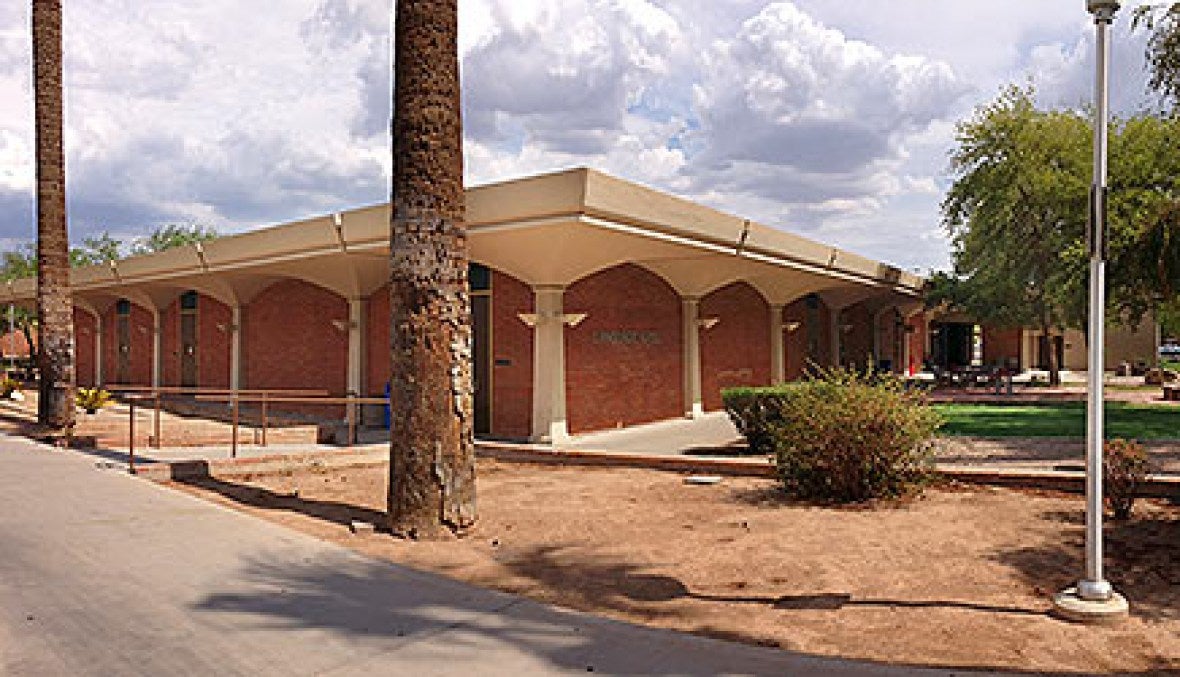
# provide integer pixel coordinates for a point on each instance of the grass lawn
(1142, 422)
(1174, 365)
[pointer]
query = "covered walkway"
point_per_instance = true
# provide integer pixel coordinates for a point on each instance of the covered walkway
(597, 303)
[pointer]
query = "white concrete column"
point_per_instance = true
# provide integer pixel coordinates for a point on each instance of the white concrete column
(549, 418)
(778, 352)
(356, 347)
(157, 353)
(690, 312)
(235, 348)
(98, 341)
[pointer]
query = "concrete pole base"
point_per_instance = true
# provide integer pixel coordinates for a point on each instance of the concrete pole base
(1069, 606)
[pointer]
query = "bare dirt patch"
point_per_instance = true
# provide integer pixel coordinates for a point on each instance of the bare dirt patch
(959, 578)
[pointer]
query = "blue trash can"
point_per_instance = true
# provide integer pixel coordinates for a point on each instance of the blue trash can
(387, 424)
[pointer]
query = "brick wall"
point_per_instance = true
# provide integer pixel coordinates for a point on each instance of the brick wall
(891, 333)
(736, 351)
(918, 339)
(85, 329)
(377, 342)
(999, 345)
(170, 344)
(857, 342)
(289, 340)
(213, 342)
(512, 355)
(796, 343)
(623, 363)
(139, 346)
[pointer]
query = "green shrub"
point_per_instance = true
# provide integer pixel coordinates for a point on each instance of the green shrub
(1124, 470)
(8, 386)
(754, 411)
(93, 399)
(844, 436)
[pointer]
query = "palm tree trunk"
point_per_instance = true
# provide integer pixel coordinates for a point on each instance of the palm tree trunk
(55, 310)
(432, 453)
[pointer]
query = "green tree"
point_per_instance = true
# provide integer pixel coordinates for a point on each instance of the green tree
(1016, 214)
(172, 235)
(1145, 214)
(99, 249)
(1162, 21)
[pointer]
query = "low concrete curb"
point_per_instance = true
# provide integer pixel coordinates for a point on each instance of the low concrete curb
(1054, 480)
(161, 471)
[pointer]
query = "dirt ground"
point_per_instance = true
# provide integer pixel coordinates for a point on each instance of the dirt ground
(959, 578)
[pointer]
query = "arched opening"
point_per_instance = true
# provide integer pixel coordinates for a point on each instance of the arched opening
(735, 341)
(624, 360)
(295, 335)
(85, 330)
(503, 351)
(807, 322)
(127, 358)
(196, 341)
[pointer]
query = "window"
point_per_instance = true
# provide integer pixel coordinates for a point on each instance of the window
(479, 277)
(188, 300)
(123, 307)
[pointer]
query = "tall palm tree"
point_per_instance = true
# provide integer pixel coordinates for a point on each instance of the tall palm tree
(54, 306)
(432, 453)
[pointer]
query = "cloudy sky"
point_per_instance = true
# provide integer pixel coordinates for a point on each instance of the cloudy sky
(829, 118)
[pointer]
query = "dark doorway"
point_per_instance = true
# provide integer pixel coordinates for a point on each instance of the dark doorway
(188, 340)
(123, 341)
(1043, 351)
(481, 354)
(951, 344)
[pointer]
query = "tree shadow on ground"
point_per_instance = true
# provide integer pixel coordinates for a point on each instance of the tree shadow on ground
(1141, 558)
(622, 586)
(361, 597)
(384, 608)
(260, 497)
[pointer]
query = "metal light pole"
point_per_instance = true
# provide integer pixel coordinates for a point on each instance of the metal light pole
(1093, 599)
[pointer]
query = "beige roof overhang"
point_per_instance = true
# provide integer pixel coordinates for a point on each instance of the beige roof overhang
(551, 229)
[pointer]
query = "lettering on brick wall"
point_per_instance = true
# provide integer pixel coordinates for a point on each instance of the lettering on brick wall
(624, 337)
(742, 375)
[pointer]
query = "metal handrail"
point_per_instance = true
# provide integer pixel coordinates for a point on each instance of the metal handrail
(140, 394)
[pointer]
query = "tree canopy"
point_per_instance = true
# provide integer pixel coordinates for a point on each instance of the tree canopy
(1017, 214)
(22, 261)
(1162, 20)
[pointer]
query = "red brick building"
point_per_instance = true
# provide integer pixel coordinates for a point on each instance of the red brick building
(597, 303)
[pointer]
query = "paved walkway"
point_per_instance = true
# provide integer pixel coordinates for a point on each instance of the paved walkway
(102, 573)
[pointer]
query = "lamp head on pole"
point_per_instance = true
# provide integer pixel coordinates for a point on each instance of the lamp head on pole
(1103, 10)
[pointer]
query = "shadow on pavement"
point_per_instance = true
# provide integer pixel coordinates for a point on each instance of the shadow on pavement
(259, 497)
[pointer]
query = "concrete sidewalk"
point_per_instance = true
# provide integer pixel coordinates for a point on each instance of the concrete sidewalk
(104, 573)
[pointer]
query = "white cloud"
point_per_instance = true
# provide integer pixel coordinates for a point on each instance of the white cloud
(834, 118)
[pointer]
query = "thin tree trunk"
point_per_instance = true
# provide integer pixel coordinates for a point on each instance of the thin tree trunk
(1054, 367)
(432, 453)
(55, 310)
